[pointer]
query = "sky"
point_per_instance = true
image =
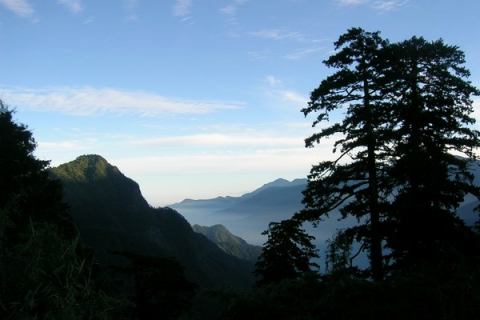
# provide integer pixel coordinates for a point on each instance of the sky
(194, 98)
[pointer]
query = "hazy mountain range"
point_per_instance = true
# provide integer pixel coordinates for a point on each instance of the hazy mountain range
(247, 216)
(211, 238)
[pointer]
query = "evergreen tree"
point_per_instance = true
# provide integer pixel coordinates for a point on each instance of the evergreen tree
(356, 186)
(24, 180)
(431, 120)
(287, 253)
(45, 272)
(408, 108)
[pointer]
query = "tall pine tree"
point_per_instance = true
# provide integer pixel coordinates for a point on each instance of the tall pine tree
(353, 181)
(407, 115)
(434, 150)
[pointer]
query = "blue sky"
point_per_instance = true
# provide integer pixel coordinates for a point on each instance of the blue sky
(194, 98)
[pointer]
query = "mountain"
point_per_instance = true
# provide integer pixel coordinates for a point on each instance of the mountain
(230, 243)
(112, 216)
(249, 215)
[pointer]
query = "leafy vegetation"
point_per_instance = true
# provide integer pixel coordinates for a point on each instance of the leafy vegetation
(287, 254)
(45, 271)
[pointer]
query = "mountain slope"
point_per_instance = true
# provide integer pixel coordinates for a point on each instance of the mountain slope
(112, 215)
(230, 243)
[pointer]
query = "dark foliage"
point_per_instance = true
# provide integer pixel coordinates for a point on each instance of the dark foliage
(431, 110)
(287, 254)
(25, 188)
(429, 293)
(161, 290)
(45, 270)
(408, 107)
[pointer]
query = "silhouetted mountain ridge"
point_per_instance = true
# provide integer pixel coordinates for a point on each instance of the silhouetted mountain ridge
(112, 216)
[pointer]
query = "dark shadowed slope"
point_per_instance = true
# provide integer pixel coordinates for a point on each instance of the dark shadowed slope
(112, 215)
(230, 243)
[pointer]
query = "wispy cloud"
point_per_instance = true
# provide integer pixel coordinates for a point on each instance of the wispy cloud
(284, 99)
(130, 8)
(294, 97)
(302, 53)
(381, 6)
(258, 55)
(20, 7)
(228, 10)
(88, 101)
(75, 6)
(182, 8)
(222, 140)
(272, 81)
(277, 34)
(384, 6)
(352, 2)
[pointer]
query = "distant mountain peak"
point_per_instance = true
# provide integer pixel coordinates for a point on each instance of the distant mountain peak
(90, 167)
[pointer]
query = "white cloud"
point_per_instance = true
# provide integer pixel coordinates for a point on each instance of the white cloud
(168, 179)
(254, 140)
(381, 6)
(272, 81)
(130, 4)
(75, 6)
(228, 10)
(19, 7)
(258, 55)
(295, 97)
(182, 8)
(130, 9)
(88, 101)
(73, 145)
(302, 53)
(352, 2)
(388, 5)
(276, 34)
(248, 163)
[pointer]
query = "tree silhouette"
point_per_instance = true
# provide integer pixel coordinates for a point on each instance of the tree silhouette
(45, 271)
(355, 187)
(432, 121)
(407, 108)
(287, 253)
(24, 180)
